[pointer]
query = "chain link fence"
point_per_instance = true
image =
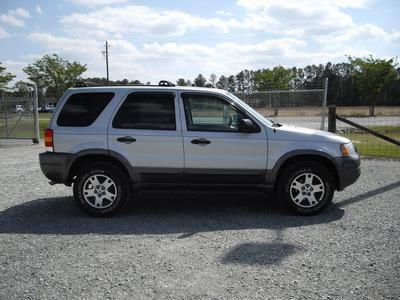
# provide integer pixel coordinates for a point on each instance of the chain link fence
(305, 108)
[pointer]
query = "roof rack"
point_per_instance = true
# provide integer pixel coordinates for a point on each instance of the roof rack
(162, 83)
(85, 84)
(165, 83)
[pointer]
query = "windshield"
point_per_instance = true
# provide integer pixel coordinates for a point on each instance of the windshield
(251, 110)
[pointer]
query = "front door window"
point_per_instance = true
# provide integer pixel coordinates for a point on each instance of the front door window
(205, 113)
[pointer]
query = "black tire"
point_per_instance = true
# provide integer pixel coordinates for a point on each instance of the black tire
(306, 188)
(101, 190)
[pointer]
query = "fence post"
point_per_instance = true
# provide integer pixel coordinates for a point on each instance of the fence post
(324, 105)
(332, 118)
(36, 115)
(5, 111)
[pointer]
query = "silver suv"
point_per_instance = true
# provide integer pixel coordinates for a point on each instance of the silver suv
(114, 141)
(17, 109)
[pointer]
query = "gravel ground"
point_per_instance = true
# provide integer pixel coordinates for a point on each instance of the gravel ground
(197, 247)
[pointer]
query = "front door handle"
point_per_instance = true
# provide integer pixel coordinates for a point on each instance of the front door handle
(126, 139)
(201, 141)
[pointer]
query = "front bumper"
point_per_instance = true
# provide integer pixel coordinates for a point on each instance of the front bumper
(349, 169)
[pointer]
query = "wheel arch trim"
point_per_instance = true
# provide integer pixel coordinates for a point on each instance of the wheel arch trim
(287, 159)
(86, 157)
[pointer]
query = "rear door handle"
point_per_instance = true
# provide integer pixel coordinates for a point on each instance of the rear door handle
(126, 139)
(201, 141)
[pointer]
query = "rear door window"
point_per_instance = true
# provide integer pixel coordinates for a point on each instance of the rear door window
(151, 111)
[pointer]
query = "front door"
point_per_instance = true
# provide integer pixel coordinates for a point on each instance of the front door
(215, 149)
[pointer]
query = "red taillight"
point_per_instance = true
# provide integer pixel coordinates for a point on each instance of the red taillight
(48, 140)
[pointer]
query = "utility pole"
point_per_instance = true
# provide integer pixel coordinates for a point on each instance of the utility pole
(106, 52)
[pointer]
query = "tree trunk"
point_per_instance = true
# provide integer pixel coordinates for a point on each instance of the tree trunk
(371, 110)
(371, 102)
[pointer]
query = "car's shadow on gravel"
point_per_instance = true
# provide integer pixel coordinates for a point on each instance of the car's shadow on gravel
(183, 215)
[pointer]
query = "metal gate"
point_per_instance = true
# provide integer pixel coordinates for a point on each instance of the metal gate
(19, 118)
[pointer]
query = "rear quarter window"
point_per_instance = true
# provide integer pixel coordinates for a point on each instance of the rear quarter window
(82, 109)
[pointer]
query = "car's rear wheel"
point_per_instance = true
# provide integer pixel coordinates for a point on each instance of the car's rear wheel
(101, 190)
(306, 188)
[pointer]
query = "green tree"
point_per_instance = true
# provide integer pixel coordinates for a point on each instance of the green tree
(135, 82)
(277, 79)
(121, 82)
(53, 75)
(222, 83)
(181, 82)
(5, 77)
(213, 80)
(200, 81)
(232, 86)
(245, 81)
(372, 76)
(22, 89)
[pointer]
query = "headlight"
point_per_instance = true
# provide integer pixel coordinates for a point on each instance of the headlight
(348, 149)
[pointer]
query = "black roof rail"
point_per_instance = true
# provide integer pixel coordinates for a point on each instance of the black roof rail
(165, 83)
(85, 84)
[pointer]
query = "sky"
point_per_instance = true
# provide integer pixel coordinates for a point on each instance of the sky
(152, 40)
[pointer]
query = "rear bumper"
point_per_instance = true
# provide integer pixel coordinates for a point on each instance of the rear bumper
(55, 166)
(349, 169)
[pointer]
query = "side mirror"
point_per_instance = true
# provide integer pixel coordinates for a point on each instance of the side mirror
(246, 125)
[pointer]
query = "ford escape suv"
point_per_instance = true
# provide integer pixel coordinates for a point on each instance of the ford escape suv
(110, 142)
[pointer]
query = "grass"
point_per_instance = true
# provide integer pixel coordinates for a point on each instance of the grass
(370, 145)
(23, 127)
(363, 111)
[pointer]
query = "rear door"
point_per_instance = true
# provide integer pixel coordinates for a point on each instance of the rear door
(216, 151)
(145, 131)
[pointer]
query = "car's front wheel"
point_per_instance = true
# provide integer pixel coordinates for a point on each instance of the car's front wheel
(306, 188)
(101, 190)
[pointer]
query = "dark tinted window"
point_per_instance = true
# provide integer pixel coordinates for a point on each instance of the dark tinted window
(147, 111)
(82, 109)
